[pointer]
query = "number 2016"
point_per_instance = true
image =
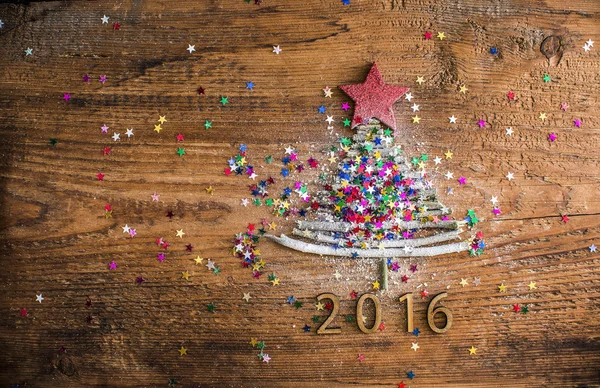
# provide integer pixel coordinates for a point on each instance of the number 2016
(431, 312)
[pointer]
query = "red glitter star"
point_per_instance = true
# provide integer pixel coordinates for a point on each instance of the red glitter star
(427, 35)
(510, 95)
(116, 26)
(424, 293)
(201, 90)
(374, 98)
(517, 308)
(565, 218)
(100, 176)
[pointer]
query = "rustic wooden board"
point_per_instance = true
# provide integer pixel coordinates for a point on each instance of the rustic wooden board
(56, 241)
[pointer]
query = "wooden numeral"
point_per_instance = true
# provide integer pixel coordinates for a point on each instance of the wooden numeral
(359, 313)
(444, 310)
(336, 306)
(409, 310)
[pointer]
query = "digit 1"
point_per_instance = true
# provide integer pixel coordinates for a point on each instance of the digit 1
(409, 310)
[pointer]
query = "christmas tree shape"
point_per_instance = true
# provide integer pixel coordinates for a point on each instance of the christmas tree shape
(379, 205)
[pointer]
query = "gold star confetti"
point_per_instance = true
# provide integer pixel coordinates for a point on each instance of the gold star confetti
(532, 286)
(463, 282)
(448, 154)
(198, 260)
(180, 233)
(253, 342)
(502, 287)
(416, 119)
(319, 306)
(157, 128)
(463, 89)
(275, 281)
(420, 80)
(246, 297)
(182, 351)
(209, 190)
(185, 275)
(376, 285)
(543, 116)
(441, 35)
(272, 225)
(161, 119)
(473, 350)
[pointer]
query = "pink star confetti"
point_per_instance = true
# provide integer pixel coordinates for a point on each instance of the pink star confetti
(67, 96)
(104, 128)
(577, 123)
(86, 78)
(496, 211)
(552, 137)
(132, 232)
(112, 265)
(266, 358)
(161, 257)
(481, 123)
(462, 180)
(155, 197)
(564, 106)
(345, 106)
(103, 79)
(361, 357)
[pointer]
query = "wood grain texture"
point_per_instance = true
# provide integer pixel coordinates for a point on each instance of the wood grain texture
(55, 239)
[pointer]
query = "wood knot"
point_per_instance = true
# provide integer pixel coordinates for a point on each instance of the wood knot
(552, 49)
(66, 366)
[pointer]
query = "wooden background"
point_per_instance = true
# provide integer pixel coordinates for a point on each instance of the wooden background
(56, 241)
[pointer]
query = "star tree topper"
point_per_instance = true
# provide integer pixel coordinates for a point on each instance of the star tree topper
(374, 98)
